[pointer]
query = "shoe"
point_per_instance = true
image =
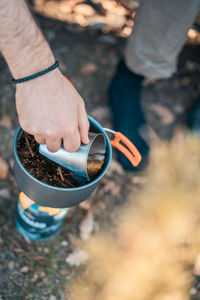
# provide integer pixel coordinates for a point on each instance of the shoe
(127, 114)
(193, 118)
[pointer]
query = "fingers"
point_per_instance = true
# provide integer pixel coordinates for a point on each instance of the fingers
(83, 124)
(53, 144)
(73, 131)
(72, 142)
(39, 139)
(72, 137)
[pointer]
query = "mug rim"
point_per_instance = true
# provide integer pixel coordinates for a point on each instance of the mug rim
(96, 137)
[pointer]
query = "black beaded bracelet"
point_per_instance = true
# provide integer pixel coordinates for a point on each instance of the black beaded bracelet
(27, 78)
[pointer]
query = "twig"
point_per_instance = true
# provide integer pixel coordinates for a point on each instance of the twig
(60, 173)
(67, 181)
(28, 144)
(61, 182)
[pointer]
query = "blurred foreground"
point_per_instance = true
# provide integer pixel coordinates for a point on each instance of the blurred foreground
(151, 253)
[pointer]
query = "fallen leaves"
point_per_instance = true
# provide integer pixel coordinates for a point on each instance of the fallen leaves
(115, 21)
(77, 258)
(165, 115)
(24, 269)
(86, 205)
(112, 187)
(52, 297)
(87, 226)
(84, 9)
(194, 36)
(6, 122)
(139, 180)
(64, 243)
(106, 16)
(3, 168)
(89, 68)
(4, 193)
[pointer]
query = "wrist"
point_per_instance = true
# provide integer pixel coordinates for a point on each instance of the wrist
(36, 75)
(21, 42)
(48, 79)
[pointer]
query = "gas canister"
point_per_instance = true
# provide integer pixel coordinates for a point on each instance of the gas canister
(38, 222)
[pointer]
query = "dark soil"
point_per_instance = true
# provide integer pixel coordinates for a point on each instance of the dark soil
(46, 170)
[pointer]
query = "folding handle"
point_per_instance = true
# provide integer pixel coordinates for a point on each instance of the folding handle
(131, 152)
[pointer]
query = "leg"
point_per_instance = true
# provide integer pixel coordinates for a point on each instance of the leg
(159, 33)
(158, 36)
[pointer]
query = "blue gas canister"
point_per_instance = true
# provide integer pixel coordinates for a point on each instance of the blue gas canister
(38, 222)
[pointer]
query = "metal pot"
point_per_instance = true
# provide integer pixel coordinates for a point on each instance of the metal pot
(47, 195)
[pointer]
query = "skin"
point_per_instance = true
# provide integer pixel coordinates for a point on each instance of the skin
(48, 107)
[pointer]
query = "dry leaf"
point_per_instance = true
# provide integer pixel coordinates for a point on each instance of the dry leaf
(64, 243)
(115, 21)
(4, 193)
(166, 116)
(41, 274)
(46, 250)
(24, 269)
(84, 9)
(86, 205)
(87, 226)
(114, 7)
(77, 258)
(139, 179)
(3, 169)
(89, 68)
(6, 121)
(52, 297)
(112, 187)
(34, 278)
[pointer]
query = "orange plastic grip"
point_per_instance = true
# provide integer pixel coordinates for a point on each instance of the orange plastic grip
(69, 81)
(131, 153)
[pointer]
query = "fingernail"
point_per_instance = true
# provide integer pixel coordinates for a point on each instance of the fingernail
(86, 140)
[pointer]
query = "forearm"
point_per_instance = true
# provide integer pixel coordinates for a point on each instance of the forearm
(48, 107)
(21, 42)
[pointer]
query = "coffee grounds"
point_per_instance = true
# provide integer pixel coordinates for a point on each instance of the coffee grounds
(44, 169)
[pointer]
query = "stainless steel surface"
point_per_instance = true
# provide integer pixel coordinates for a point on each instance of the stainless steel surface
(77, 161)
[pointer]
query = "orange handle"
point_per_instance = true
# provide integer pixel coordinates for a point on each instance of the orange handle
(131, 152)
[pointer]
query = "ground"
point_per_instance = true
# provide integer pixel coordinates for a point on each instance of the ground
(88, 56)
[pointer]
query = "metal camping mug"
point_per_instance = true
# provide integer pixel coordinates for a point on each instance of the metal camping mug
(47, 195)
(77, 162)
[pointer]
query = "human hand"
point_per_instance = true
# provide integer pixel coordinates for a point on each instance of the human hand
(51, 109)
